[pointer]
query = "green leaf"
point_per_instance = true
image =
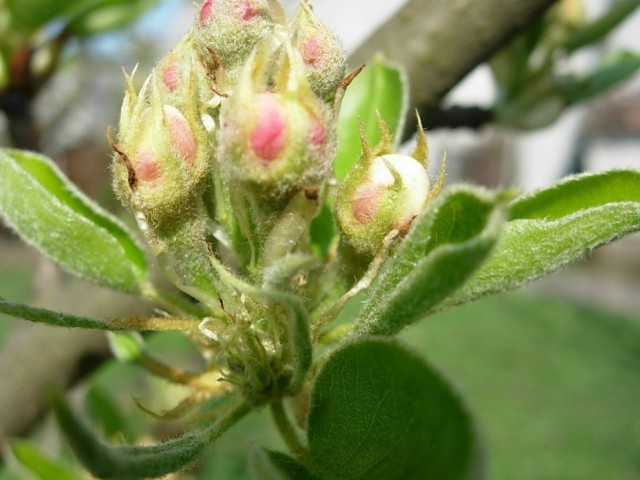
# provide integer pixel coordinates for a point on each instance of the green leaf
(597, 30)
(106, 15)
(270, 465)
(126, 346)
(41, 465)
(379, 411)
(104, 412)
(131, 463)
(380, 87)
(555, 226)
(58, 319)
(35, 13)
(52, 215)
(446, 244)
(615, 68)
(323, 231)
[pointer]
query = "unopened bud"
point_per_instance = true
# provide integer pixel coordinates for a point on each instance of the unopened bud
(382, 193)
(280, 138)
(226, 31)
(162, 154)
(321, 50)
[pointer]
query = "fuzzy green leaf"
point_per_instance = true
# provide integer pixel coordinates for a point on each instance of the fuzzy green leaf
(597, 30)
(40, 465)
(378, 411)
(447, 243)
(615, 68)
(270, 465)
(380, 87)
(52, 215)
(555, 226)
(132, 463)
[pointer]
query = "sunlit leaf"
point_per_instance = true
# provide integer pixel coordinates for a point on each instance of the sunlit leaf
(555, 226)
(51, 214)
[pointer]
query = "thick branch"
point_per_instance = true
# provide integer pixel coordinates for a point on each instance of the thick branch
(440, 41)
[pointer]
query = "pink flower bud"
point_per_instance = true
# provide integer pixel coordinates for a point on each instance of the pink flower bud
(321, 51)
(163, 151)
(384, 194)
(269, 135)
(273, 140)
(180, 132)
(146, 166)
(227, 31)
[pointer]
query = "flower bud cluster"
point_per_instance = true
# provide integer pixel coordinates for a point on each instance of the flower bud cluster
(246, 94)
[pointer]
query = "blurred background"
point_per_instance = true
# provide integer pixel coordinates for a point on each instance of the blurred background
(551, 372)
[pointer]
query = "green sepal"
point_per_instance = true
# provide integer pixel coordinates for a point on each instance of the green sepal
(130, 462)
(380, 412)
(52, 215)
(451, 239)
(381, 88)
(554, 226)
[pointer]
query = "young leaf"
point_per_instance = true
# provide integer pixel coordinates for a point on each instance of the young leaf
(270, 465)
(380, 87)
(597, 30)
(615, 68)
(447, 243)
(48, 212)
(132, 463)
(379, 411)
(40, 465)
(555, 226)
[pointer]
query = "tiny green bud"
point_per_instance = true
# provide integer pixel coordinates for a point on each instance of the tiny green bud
(322, 52)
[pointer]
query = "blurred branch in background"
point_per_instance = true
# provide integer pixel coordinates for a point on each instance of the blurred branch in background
(527, 43)
(440, 41)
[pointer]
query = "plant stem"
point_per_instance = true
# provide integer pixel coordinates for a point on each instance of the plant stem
(288, 432)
